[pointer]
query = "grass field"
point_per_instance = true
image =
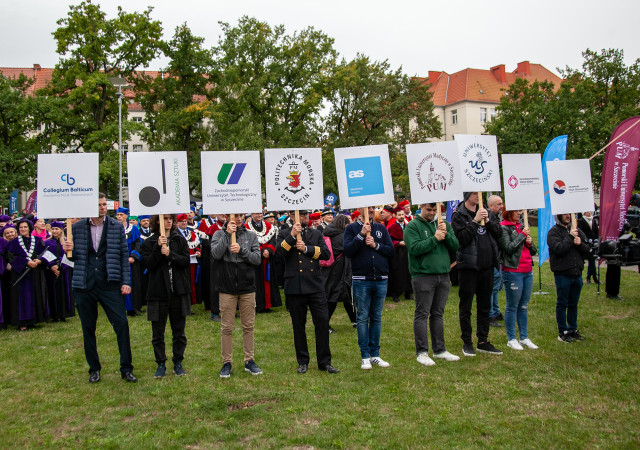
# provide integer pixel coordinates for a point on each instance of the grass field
(584, 394)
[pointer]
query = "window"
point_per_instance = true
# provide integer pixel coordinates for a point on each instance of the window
(125, 147)
(483, 115)
(454, 116)
(137, 119)
(137, 147)
(493, 113)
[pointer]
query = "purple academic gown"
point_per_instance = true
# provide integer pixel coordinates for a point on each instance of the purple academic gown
(29, 296)
(60, 297)
(3, 245)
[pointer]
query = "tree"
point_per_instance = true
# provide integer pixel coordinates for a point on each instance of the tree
(178, 100)
(587, 106)
(84, 110)
(19, 145)
(371, 104)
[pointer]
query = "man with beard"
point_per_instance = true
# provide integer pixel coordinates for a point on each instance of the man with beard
(267, 293)
(406, 207)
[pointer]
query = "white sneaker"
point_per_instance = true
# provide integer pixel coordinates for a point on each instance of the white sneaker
(423, 358)
(527, 343)
(366, 364)
(446, 356)
(379, 362)
(514, 345)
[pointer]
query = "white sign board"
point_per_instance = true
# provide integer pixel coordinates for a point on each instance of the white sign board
(158, 182)
(570, 187)
(67, 185)
(434, 172)
(522, 178)
(364, 176)
(293, 178)
(231, 182)
(479, 162)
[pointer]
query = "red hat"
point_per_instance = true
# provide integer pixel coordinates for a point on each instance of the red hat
(355, 214)
(398, 209)
(181, 217)
(314, 216)
(404, 203)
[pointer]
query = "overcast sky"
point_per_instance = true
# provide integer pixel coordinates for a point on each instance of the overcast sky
(420, 36)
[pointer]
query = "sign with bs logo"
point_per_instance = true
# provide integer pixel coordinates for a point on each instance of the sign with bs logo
(364, 176)
(67, 185)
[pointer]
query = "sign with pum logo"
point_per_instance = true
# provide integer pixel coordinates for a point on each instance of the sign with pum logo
(434, 172)
(67, 185)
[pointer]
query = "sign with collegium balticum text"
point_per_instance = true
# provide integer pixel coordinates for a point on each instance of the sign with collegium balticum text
(67, 185)
(231, 182)
(293, 178)
(158, 182)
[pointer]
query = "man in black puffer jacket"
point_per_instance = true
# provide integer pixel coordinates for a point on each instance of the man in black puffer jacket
(567, 251)
(476, 259)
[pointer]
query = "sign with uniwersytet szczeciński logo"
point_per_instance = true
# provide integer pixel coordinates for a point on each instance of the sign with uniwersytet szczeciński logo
(479, 162)
(364, 176)
(231, 182)
(293, 178)
(522, 178)
(67, 185)
(570, 186)
(158, 182)
(434, 172)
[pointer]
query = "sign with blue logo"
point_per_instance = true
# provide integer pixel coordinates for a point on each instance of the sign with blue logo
(67, 185)
(330, 199)
(571, 190)
(364, 176)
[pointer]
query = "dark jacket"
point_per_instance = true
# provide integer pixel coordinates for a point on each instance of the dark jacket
(478, 244)
(511, 243)
(336, 283)
(302, 269)
(368, 263)
(566, 258)
(117, 253)
(236, 273)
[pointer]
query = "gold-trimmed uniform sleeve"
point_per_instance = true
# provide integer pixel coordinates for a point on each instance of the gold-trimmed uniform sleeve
(316, 252)
(285, 246)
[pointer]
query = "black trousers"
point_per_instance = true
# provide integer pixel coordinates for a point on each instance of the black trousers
(612, 280)
(173, 310)
(348, 307)
(317, 304)
(480, 284)
(112, 302)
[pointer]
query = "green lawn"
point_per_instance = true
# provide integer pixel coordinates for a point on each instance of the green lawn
(584, 394)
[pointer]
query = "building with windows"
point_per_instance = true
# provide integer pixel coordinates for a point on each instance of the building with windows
(466, 100)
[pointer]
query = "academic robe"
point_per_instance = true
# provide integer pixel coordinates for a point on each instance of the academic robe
(133, 301)
(399, 276)
(60, 296)
(29, 296)
(267, 290)
(3, 245)
(144, 273)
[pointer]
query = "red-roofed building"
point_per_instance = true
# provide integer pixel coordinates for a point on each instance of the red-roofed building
(464, 101)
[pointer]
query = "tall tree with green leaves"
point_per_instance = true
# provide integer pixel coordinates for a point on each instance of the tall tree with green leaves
(178, 101)
(19, 144)
(83, 114)
(369, 103)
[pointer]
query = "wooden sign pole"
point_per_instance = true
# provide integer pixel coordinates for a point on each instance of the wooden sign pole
(574, 222)
(69, 237)
(526, 218)
(439, 211)
(366, 217)
(163, 232)
(232, 218)
(480, 206)
(297, 220)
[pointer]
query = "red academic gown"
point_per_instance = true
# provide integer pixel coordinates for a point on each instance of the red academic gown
(267, 291)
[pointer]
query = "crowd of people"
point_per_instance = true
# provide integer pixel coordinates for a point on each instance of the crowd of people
(238, 263)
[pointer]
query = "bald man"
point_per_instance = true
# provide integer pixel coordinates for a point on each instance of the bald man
(496, 205)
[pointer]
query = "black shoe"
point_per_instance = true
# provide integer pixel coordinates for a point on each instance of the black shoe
(94, 376)
(329, 368)
(495, 323)
(575, 335)
(468, 350)
(251, 367)
(487, 347)
(132, 313)
(331, 330)
(129, 377)
(302, 368)
(408, 297)
(614, 297)
(225, 372)
(179, 370)
(500, 317)
(565, 337)
(215, 317)
(160, 371)
(396, 299)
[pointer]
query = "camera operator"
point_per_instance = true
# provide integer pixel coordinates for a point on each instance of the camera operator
(588, 224)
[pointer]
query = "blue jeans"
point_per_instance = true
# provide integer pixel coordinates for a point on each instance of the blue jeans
(369, 298)
(518, 287)
(568, 292)
(497, 285)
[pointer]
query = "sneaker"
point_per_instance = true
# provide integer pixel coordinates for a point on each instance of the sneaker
(379, 362)
(423, 358)
(225, 372)
(354, 325)
(446, 356)
(179, 370)
(565, 337)
(366, 364)
(468, 350)
(215, 317)
(160, 371)
(514, 344)
(331, 330)
(487, 347)
(576, 335)
(528, 344)
(500, 317)
(495, 323)
(251, 367)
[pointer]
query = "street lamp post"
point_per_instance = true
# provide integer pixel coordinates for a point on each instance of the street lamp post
(119, 83)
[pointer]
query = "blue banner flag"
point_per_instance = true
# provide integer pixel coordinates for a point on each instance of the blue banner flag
(451, 207)
(13, 202)
(555, 151)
